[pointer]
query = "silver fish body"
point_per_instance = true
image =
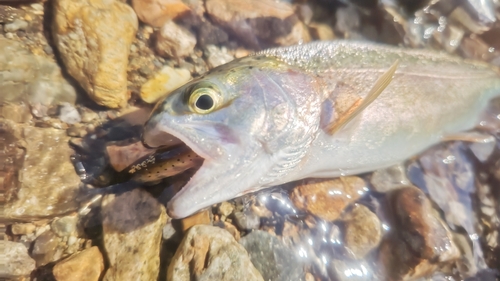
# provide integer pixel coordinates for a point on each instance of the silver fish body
(263, 120)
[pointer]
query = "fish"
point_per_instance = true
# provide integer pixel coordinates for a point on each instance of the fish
(317, 110)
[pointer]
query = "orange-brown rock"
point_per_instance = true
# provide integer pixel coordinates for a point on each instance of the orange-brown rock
(327, 198)
(84, 266)
(94, 39)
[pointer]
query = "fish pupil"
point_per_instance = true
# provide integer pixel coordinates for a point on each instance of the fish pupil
(205, 102)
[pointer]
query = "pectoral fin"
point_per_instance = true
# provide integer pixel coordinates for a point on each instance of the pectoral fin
(360, 104)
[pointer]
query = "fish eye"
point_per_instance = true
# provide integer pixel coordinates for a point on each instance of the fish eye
(204, 100)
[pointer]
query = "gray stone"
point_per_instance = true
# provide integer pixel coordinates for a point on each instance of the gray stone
(64, 226)
(26, 77)
(247, 220)
(132, 230)
(388, 179)
(45, 248)
(211, 253)
(16, 25)
(274, 260)
(14, 260)
(217, 56)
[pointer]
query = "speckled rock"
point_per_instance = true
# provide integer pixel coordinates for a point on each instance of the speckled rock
(84, 266)
(94, 39)
(26, 77)
(363, 231)
(174, 41)
(48, 183)
(211, 253)
(327, 198)
(247, 220)
(157, 12)
(255, 21)
(420, 242)
(132, 230)
(164, 82)
(272, 258)
(14, 260)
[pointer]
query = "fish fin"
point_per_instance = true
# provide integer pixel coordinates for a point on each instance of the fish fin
(474, 137)
(361, 103)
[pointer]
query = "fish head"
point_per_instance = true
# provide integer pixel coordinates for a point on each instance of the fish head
(231, 117)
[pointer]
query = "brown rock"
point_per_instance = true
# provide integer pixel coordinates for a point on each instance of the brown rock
(132, 231)
(420, 242)
(174, 41)
(211, 253)
(84, 266)
(23, 228)
(321, 31)
(327, 198)
(163, 83)
(157, 12)
(362, 231)
(253, 21)
(94, 39)
(48, 184)
(120, 157)
(202, 217)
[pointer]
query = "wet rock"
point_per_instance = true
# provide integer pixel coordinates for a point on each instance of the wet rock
(16, 25)
(22, 228)
(26, 77)
(85, 266)
(163, 83)
(132, 229)
(363, 231)
(482, 150)
(65, 226)
(48, 183)
(17, 112)
(209, 34)
(348, 270)
(247, 220)
(46, 248)
(15, 260)
(210, 253)
(174, 41)
(327, 199)
(94, 39)
(389, 179)
(157, 12)
(68, 114)
(202, 217)
(321, 31)
(420, 242)
(253, 22)
(216, 56)
(225, 209)
(120, 157)
(272, 258)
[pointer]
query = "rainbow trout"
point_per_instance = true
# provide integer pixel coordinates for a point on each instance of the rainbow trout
(321, 110)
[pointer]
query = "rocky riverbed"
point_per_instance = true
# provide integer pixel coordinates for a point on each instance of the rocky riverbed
(78, 79)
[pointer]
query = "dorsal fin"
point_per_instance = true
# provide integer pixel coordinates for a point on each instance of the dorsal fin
(360, 104)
